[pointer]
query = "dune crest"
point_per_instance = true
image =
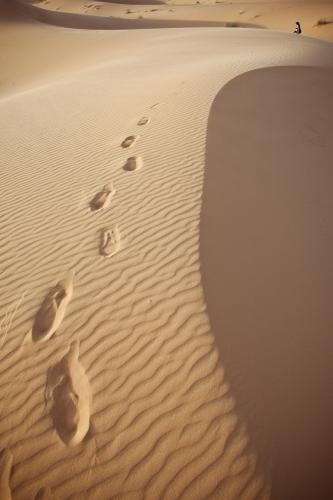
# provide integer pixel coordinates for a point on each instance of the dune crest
(167, 421)
(69, 390)
(52, 310)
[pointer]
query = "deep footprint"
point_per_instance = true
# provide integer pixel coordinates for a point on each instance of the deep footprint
(110, 241)
(129, 141)
(144, 120)
(102, 199)
(69, 390)
(6, 462)
(133, 163)
(52, 310)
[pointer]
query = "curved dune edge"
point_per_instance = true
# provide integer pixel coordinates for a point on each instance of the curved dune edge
(143, 19)
(316, 17)
(266, 247)
(164, 422)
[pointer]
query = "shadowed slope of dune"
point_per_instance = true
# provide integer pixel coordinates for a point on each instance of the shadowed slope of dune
(266, 259)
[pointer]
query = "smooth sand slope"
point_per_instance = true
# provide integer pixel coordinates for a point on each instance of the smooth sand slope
(156, 414)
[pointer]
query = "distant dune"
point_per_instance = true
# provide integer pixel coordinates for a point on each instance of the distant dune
(315, 17)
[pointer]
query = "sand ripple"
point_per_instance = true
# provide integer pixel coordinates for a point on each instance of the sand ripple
(163, 419)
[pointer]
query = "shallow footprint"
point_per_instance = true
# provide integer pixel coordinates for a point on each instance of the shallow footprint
(144, 120)
(45, 494)
(6, 462)
(102, 199)
(52, 310)
(129, 141)
(69, 390)
(133, 163)
(110, 241)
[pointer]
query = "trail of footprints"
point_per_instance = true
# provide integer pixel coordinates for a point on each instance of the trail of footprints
(67, 388)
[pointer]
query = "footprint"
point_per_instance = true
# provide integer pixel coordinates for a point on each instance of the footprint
(102, 198)
(6, 462)
(133, 163)
(52, 310)
(44, 494)
(69, 391)
(110, 241)
(144, 120)
(129, 141)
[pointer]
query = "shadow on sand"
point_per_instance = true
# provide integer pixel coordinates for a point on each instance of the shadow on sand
(266, 243)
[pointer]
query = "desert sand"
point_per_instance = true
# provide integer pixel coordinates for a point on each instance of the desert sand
(166, 240)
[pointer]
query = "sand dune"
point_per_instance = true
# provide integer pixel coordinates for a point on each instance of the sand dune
(315, 17)
(159, 405)
(266, 251)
